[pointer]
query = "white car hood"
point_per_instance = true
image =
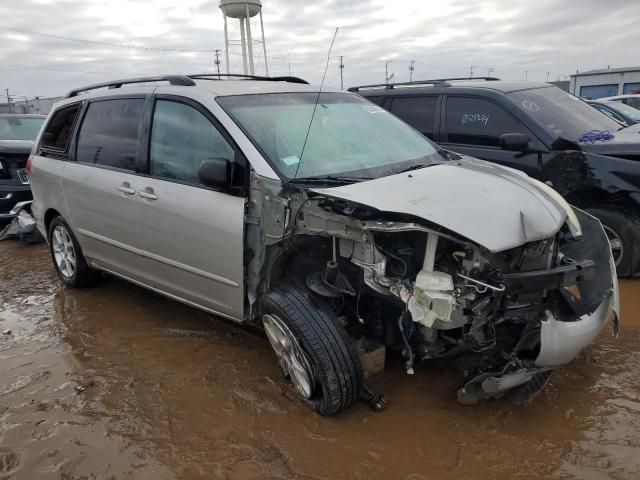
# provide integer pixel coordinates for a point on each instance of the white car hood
(496, 207)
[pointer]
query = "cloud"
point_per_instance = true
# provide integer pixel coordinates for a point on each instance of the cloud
(444, 37)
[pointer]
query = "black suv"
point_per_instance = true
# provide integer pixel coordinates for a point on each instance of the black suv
(17, 133)
(542, 130)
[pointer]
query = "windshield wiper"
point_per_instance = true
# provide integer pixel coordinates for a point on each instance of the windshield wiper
(331, 179)
(413, 167)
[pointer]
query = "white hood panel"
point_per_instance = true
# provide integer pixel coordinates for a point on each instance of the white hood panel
(493, 206)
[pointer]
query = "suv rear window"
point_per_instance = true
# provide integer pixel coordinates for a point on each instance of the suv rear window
(474, 121)
(419, 112)
(109, 133)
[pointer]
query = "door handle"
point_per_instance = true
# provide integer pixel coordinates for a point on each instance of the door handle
(147, 194)
(126, 188)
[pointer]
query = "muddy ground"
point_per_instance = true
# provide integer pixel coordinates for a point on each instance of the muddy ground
(116, 382)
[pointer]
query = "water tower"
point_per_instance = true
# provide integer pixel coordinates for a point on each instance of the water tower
(244, 11)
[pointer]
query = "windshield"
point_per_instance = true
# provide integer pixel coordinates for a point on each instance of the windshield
(20, 128)
(626, 110)
(562, 114)
(348, 136)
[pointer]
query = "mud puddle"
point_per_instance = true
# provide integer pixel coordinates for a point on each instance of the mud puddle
(116, 382)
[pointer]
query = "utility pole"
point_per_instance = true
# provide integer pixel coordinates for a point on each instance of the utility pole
(217, 62)
(526, 75)
(289, 62)
(341, 70)
(386, 71)
(471, 71)
(411, 69)
(548, 73)
(8, 99)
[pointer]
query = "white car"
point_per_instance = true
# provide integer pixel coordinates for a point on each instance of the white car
(633, 100)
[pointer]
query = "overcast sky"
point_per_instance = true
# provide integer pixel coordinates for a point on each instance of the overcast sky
(444, 37)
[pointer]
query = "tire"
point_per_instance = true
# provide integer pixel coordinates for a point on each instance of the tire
(72, 268)
(623, 229)
(331, 354)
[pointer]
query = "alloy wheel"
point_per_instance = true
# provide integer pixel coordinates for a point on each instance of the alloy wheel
(291, 356)
(64, 251)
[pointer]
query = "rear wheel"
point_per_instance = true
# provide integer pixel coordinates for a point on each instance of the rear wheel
(67, 255)
(623, 230)
(313, 350)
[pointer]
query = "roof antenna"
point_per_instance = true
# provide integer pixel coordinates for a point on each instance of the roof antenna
(306, 137)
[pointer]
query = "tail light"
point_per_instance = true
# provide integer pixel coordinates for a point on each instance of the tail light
(29, 164)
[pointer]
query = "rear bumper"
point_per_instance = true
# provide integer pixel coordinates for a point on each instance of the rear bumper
(9, 196)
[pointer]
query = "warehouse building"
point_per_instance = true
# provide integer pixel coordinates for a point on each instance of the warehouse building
(34, 105)
(606, 82)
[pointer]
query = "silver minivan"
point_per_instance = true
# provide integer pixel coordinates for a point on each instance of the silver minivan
(328, 222)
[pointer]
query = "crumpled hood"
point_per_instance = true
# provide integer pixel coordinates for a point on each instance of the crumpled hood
(625, 142)
(493, 206)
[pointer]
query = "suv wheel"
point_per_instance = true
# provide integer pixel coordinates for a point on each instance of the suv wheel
(313, 350)
(67, 255)
(623, 230)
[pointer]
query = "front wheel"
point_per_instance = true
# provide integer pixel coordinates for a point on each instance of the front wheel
(313, 350)
(623, 230)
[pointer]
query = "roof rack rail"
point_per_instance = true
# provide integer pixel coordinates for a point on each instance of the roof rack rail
(172, 79)
(389, 86)
(216, 76)
(443, 82)
(488, 79)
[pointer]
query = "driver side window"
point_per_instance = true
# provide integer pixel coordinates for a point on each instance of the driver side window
(181, 139)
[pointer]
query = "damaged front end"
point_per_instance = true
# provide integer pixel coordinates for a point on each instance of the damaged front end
(403, 283)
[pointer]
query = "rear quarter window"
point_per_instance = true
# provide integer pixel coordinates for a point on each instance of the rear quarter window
(109, 133)
(57, 134)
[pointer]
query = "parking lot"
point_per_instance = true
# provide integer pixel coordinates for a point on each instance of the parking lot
(118, 382)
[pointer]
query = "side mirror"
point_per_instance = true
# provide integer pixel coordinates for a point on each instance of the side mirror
(215, 173)
(517, 142)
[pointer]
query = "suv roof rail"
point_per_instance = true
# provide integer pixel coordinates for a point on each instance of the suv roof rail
(172, 79)
(389, 86)
(216, 76)
(443, 82)
(488, 79)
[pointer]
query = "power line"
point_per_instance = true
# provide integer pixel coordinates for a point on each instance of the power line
(54, 69)
(96, 42)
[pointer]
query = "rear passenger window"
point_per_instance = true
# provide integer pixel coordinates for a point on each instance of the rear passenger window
(181, 139)
(419, 112)
(109, 133)
(475, 121)
(57, 134)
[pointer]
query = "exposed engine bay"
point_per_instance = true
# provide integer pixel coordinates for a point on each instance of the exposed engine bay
(428, 293)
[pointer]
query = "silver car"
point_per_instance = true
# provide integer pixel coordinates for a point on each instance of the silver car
(328, 222)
